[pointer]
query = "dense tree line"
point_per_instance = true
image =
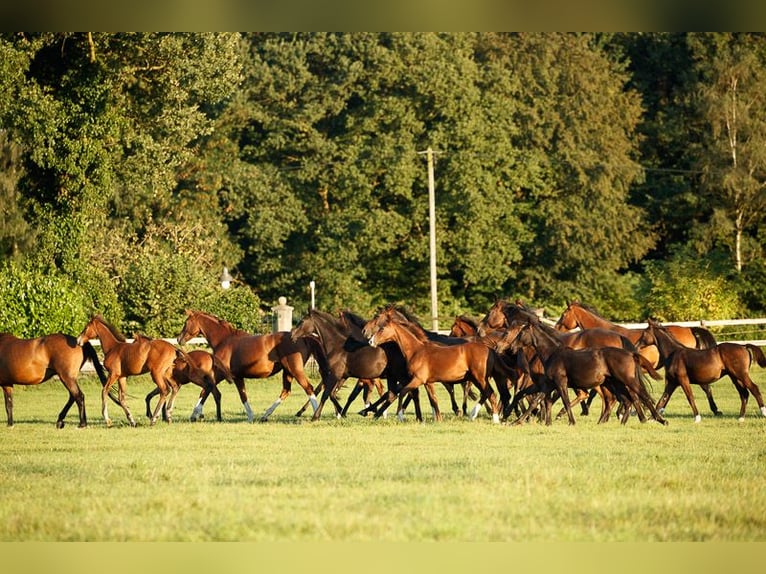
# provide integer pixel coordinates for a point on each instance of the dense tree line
(626, 170)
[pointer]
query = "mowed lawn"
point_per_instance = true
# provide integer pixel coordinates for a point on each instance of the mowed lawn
(359, 479)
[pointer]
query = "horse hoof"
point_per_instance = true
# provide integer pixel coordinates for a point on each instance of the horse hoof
(718, 413)
(60, 424)
(698, 419)
(741, 419)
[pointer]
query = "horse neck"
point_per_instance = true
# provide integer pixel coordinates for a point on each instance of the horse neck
(544, 343)
(587, 320)
(666, 345)
(331, 332)
(407, 341)
(105, 335)
(214, 331)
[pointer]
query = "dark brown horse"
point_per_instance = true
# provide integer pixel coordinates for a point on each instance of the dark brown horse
(685, 367)
(203, 367)
(123, 360)
(428, 362)
(34, 361)
(250, 356)
(619, 370)
(346, 356)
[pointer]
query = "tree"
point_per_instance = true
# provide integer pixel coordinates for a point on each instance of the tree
(732, 70)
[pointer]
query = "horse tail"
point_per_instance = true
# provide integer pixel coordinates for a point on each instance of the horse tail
(627, 344)
(757, 354)
(648, 367)
(89, 354)
(223, 369)
(704, 338)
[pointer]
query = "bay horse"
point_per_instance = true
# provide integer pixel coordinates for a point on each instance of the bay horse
(205, 367)
(403, 316)
(464, 326)
(249, 356)
(397, 362)
(34, 361)
(428, 362)
(123, 359)
(619, 370)
(346, 356)
(685, 367)
(579, 315)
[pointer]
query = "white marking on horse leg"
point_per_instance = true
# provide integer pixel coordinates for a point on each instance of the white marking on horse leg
(475, 411)
(741, 419)
(661, 411)
(313, 401)
(271, 409)
(763, 410)
(248, 411)
(197, 412)
(399, 415)
(496, 418)
(697, 419)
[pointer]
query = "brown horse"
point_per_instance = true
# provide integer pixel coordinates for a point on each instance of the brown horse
(205, 367)
(250, 356)
(34, 361)
(503, 313)
(685, 367)
(578, 315)
(618, 370)
(464, 326)
(123, 360)
(428, 362)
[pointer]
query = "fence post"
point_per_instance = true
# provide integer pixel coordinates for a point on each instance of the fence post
(283, 316)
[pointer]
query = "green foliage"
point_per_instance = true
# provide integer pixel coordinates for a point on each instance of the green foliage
(239, 305)
(686, 288)
(35, 303)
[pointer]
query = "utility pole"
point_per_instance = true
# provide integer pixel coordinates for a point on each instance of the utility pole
(432, 238)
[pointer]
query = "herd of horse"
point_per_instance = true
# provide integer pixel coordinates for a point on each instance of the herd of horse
(510, 362)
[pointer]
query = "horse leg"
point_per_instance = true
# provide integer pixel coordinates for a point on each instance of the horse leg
(197, 411)
(434, 403)
(217, 397)
(352, 395)
(8, 395)
(385, 403)
(121, 383)
(686, 387)
(104, 393)
(174, 388)
(75, 396)
(239, 382)
(319, 387)
(561, 385)
(286, 389)
(451, 391)
(149, 396)
(163, 389)
(709, 394)
(750, 386)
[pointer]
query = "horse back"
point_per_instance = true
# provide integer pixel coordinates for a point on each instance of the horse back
(32, 361)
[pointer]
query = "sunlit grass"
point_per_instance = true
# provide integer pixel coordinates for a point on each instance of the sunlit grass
(360, 479)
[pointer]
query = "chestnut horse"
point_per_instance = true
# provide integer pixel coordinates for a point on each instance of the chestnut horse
(34, 361)
(250, 356)
(123, 360)
(464, 326)
(685, 367)
(204, 366)
(428, 362)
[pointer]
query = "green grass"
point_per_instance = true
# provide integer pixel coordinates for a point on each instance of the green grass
(359, 479)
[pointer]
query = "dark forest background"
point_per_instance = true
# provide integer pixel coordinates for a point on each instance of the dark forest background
(623, 170)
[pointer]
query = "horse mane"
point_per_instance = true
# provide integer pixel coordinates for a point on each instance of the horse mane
(328, 320)
(588, 308)
(357, 320)
(112, 329)
(472, 321)
(413, 327)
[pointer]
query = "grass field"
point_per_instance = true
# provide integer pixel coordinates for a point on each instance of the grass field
(359, 479)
